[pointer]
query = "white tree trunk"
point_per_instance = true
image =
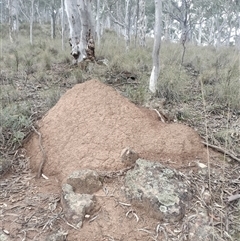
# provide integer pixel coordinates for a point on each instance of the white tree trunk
(156, 47)
(142, 26)
(13, 19)
(81, 27)
(62, 23)
(31, 22)
(98, 22)
(199, 34)
(127, 23)
(53, 20)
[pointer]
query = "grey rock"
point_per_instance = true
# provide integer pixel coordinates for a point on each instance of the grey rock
(75, 205)
(57, 236)
(129, 156)
(85, 181)
(3, 236)
(157, 189)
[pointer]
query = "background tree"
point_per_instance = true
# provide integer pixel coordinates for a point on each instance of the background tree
(13, 19)
(200, 22)
(81, 29)
(156, 47)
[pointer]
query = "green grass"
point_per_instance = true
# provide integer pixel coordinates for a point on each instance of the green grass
(44, 65)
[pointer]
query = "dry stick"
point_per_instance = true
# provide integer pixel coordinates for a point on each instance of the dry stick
(159, 115)
(233, 197)
(43, 152)
(219, 149)
(208, 155)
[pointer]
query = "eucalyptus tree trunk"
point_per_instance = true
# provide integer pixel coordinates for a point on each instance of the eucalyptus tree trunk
(211, 32)
(127, 23)
(81, 29)
(156, 47)
(13, 19)
(62, 23)
(136, 23)
(31, 22)
(53, 20)
(142, 25)
(98, 22)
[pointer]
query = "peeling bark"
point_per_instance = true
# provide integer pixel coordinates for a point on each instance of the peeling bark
(81, 29)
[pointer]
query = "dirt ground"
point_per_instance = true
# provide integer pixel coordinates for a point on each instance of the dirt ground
(92, 123)
(88, 128)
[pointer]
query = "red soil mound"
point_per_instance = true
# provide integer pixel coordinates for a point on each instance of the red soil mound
(92, 123)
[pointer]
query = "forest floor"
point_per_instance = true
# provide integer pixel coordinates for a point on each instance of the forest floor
(31, 208)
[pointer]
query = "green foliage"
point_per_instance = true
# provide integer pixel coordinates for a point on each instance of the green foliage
(137, 94)
(47, 61)
(15, 120)
(44, 64)
(77, 75)
(173, 83)
(51, 96)
(219, 72)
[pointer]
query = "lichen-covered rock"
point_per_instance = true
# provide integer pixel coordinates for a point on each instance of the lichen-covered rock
(85, 181)
(158, 189)
(129, 156)
(75, 205)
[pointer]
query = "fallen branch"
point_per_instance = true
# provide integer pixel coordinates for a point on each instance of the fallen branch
(44, 157)
(219, 149)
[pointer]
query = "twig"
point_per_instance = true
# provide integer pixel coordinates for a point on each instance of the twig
(43, 152)
(219, 149)
(133, 213)
(233, 197)
(92, 219)
(69, 224)
(159, 115)
(144, 230)
(125, 204)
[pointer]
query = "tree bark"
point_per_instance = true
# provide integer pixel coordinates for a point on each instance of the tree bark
(136, 23)
(62, 23)
(142, 24)
(13, 19)
(81, 29)
(98, 22)
(31, 22)
(156, 47)
(127, 23)
(53, 20)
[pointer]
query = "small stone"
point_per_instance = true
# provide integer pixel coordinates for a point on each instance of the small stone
(76, 206)
(58, 236)
(6, 232)
(206, 197)
(85, 181)
(3, 236)
(128, 156)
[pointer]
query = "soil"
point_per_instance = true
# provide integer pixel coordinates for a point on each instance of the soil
(88, 128)
(92, 123)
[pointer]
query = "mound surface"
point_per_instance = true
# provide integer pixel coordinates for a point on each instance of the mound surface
(92, 123)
